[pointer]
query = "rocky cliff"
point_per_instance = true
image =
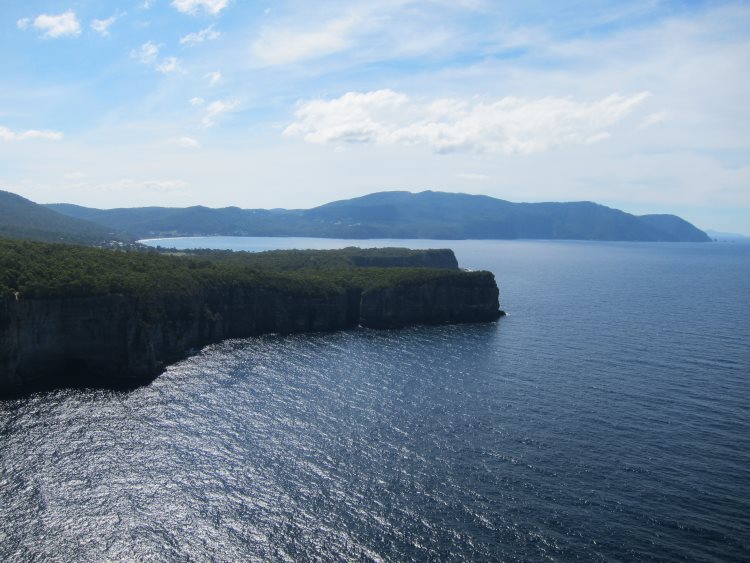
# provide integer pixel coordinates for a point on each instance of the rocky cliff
(111, 339)
(471, 298)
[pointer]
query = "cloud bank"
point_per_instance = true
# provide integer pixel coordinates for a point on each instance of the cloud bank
(509, 125)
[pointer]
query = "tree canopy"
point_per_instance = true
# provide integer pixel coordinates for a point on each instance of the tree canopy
(41, 270)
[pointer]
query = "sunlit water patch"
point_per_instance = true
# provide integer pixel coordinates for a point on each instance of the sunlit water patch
(605, 418)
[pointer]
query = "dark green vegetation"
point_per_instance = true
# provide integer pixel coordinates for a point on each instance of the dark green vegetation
(434, 215)
(24, 219)
(38, 270)
(345, 258)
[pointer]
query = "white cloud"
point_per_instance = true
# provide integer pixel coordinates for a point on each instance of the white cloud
(653, 119)
(488, 57)
(216, 109)
(192, 7)
(507, 125)
(102, 26)
(275, 47)
(147, 54)
(213, 78)
(207, 34)
(9, 135)
(188, 143)
(169, 64)
(197, 101)
(61, 25)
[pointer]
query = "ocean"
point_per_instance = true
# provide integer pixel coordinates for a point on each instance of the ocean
(605, 418)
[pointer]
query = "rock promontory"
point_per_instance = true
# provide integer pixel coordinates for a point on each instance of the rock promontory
(128, 332)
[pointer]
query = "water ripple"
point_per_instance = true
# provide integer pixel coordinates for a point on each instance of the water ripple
(605, 419)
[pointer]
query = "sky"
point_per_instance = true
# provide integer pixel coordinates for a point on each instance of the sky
(643, 106)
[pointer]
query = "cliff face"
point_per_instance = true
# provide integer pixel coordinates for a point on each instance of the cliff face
(113, 338)
(474, 299)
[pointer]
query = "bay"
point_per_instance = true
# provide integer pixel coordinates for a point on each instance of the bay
(605, 418)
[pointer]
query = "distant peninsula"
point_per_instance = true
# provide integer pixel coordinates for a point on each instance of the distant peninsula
(401, 215)
(74, 314)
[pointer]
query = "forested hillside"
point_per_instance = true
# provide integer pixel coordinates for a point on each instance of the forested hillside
(24, 219)
(426, 215)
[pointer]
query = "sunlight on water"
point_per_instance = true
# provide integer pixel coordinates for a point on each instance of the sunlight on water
(605, 418)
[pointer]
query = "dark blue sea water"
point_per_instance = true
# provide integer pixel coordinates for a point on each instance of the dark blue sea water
(606, 418)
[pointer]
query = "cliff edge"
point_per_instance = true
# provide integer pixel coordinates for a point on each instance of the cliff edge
(61, 337)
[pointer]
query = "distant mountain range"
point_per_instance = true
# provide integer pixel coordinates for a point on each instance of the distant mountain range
(24, 219)
(429, 215)
(433, 215)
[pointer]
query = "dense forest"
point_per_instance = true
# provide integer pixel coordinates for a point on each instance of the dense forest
(289, 260)
(40, 270)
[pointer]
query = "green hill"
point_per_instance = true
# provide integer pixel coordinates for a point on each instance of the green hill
(24, 219)
(428, 215)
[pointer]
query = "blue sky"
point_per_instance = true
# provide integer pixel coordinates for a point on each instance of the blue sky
(638, 105)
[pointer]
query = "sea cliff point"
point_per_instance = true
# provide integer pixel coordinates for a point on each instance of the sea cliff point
(73, 314)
